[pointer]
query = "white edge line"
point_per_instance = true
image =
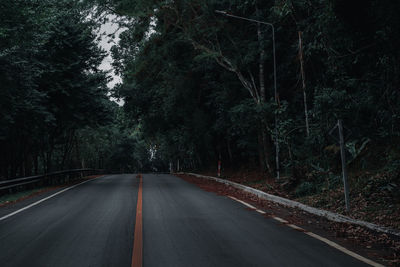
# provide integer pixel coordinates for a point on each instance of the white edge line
(44, 199)
(261, 211)
(344, 250)
(248, 205)
(244, 203)
(280, 220)
(295, 227)
(294, 204)
(320, 238)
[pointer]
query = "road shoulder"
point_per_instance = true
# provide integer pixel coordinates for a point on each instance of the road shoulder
(34, 196)
(379, 247)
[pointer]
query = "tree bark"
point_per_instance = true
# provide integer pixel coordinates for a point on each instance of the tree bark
(261, 61)
(304, 84)
(36, 164)
(228, 145)
(263, 97)
(260, 151)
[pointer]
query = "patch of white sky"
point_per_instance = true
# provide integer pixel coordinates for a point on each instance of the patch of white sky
(109, 35)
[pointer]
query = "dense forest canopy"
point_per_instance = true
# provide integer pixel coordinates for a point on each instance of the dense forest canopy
(199, 86)
(54, 104)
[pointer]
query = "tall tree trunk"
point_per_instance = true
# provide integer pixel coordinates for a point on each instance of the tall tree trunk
(48, 161)
(266, 147)
(304, 83)
(261, 64)
(68, 146)
(228, 145)
(260, 151)
(36, 164)
(263, 98)
(49, 156)
(28, 164)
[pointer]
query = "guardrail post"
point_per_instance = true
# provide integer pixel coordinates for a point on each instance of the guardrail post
(49, 179)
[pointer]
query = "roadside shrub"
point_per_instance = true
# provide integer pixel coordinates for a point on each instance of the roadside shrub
(305, 189)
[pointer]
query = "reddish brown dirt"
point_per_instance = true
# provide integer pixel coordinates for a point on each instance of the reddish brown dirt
(252, 178)
(377, 246)
(47, 189)
(369, 200)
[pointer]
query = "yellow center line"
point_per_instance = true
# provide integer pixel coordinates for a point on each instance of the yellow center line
(137, 254)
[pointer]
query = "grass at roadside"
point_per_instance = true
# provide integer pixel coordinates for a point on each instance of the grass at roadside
(12, 198)
(19, 196)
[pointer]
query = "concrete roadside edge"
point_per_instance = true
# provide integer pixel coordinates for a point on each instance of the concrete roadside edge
(294, 204)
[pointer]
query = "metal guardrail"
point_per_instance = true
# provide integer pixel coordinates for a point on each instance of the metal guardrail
(54, 178)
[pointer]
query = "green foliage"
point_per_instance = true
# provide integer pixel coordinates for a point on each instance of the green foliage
(191, 77)
(305, 189)
(198, 86)
(318, 182)
(50, 84)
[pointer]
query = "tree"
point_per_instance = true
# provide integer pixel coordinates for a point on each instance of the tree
(51, 85)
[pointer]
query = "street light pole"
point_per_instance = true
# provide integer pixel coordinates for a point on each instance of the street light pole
(224, 13)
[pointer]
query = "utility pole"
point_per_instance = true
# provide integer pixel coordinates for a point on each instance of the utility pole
(224, 13)
(344, 167)
(219, 168)
(304, 83)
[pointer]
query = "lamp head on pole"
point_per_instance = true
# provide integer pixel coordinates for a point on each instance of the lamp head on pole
(221, 12)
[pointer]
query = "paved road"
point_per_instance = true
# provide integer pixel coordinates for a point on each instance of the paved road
(93, 225)
(89, 225)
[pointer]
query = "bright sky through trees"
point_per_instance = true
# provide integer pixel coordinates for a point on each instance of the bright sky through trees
(107, 41)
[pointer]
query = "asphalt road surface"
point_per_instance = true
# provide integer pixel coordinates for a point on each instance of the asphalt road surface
(93, 224)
